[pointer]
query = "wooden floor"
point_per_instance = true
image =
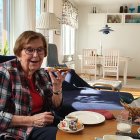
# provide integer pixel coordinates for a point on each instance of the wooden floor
(134, 91)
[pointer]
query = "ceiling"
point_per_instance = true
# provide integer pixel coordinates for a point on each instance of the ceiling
(89, 2)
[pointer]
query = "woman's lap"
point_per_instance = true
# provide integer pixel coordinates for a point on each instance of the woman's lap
(43, 133)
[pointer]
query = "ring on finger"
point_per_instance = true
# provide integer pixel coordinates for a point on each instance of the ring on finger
(42, 124)
(54, 84)
(58, 78)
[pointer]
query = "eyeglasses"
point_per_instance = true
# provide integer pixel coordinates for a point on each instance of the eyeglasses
(31, 51)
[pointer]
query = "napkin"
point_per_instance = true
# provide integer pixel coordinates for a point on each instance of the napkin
(107, 114)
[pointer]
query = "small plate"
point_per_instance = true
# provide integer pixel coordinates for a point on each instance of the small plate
(80, 127)
(88, 117)
(116, 137)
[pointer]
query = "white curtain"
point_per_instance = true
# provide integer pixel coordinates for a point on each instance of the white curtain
(23, 17)
(69, 14)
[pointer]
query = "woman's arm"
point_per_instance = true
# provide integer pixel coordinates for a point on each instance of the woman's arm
(57, 98)
(57, 87)
(21, 121)
(5, 94)
(38, 120)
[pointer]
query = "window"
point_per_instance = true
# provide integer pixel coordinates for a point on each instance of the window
(4, 26)
(68, 36)
(38, 9)
(69, 25)
(7, 22)
(1, 22)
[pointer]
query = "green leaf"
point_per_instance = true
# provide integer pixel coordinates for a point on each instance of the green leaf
(5, 49)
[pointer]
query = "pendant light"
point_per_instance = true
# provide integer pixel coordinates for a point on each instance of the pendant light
(106, 29)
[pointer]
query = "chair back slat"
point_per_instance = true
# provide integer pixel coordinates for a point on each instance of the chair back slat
(111, 62)
(111, 58)
(89, 57)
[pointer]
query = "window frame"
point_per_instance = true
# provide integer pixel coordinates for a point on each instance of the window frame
(5, 27)
(68, 40)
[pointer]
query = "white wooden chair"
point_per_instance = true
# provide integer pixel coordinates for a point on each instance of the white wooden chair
(111, 62)
(89, 66)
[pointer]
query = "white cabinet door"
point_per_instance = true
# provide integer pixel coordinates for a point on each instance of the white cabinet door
(97, 18)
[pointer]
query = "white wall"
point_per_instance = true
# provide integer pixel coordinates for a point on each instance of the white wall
(125, 38)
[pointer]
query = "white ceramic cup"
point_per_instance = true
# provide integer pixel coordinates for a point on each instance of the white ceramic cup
(71, 122)
(124, 124)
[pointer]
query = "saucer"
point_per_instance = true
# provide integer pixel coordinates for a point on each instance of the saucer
(80, 127)
(138, 130)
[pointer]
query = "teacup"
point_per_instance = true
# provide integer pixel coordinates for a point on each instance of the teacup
(70, 122)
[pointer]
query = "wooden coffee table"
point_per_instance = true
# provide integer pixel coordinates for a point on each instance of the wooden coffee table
(92, 131)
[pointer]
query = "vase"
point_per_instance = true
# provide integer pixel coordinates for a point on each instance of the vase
(138, 9)
(121, 9)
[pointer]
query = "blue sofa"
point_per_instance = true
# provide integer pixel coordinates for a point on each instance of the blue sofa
(4, 58)
(79, 95)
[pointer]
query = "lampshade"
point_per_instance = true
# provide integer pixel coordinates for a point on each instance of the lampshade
(47, 21)
(106, 29)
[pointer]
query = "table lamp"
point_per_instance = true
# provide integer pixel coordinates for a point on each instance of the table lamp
(47, 21)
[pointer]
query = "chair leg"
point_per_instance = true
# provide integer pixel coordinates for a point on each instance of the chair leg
(103, 74)
(117, 76)
(95, 75)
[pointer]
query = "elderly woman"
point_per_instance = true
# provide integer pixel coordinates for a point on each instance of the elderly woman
(28, 94)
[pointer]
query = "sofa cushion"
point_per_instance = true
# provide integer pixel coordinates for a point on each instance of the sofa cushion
(4, 58)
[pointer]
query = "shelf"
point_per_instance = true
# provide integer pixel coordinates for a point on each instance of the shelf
(113, 18)
(132, 18)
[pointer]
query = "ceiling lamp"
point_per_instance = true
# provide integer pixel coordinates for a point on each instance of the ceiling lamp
(106, 29)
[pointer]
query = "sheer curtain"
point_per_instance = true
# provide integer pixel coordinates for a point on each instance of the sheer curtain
(22, 17)
(69, 26)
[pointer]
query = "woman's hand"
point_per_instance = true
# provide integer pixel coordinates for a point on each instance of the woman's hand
(57, 87)
(137, 120)
(57, 81)
(42, 119)
(37, 120)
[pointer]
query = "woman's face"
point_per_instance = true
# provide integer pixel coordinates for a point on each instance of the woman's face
(32, 55)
